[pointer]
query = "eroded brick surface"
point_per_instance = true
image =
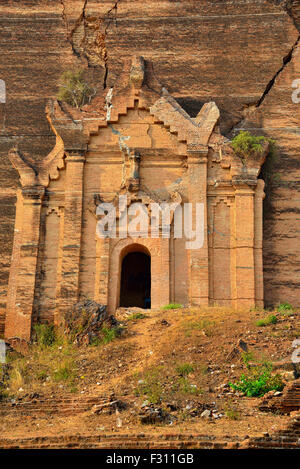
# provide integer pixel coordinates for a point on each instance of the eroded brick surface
(147, 148)
(225, 51)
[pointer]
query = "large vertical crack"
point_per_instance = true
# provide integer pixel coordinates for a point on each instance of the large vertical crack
(114, 11)
(77, 23)
(251, 107)
(88, 35)
(271, 83)
(292, 8)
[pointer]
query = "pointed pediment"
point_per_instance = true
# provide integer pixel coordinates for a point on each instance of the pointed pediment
(137, 85)
(136, 88)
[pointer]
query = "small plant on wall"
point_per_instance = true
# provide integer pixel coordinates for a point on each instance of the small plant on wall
(246, 145)
(74, 90)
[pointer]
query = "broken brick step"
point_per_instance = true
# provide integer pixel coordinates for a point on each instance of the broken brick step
(64, 406)
(145, 442)
(112, 441)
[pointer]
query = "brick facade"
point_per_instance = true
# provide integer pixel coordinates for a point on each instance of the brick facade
(133, 140)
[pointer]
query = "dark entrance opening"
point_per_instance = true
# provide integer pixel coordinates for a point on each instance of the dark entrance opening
(136, 280)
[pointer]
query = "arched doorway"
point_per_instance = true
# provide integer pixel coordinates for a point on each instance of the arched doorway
(135, 288)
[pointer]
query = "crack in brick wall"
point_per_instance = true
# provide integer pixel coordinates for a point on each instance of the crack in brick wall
(196, 50)
(285, 61)
(88, 35)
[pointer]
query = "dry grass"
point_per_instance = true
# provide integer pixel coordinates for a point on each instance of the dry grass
(168, 356)
(43, 368)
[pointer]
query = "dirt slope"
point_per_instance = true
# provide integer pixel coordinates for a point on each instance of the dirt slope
(180, 361)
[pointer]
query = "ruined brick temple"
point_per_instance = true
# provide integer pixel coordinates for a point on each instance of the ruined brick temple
(133, 140)
(243, 56)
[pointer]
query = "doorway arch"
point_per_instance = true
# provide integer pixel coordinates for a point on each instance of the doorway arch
(135, 281)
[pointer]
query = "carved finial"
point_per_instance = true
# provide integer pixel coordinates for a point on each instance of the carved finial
(132, 182)
(137, 72)
(27, 172)
(209, 114)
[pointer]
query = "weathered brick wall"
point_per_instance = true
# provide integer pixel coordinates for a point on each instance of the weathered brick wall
(226, 51)
(278, 117)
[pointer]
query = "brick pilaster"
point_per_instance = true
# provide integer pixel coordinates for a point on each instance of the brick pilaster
(199, 278)
(244, 235)
(69, 288)
(21, 288)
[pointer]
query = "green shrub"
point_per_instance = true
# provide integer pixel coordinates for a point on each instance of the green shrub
(258, 381)
(109, 334)
(41, 375)
(247, 357)
(271, 319)
(19, 374)
(65, 372)
(106, 335)
(185, 369)
(245, 144)
(136, 316)
(45, 334)
(182, 384)
(256, 309)
(187, 388)
(285, 308)
(73, 389)
(232, 414)
(231, 411)
(205, 325)
(3, 392)
(150, 385)
(173, 306)
(74, 90)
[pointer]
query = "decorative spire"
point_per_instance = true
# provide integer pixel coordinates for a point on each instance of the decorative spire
(137, 72)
